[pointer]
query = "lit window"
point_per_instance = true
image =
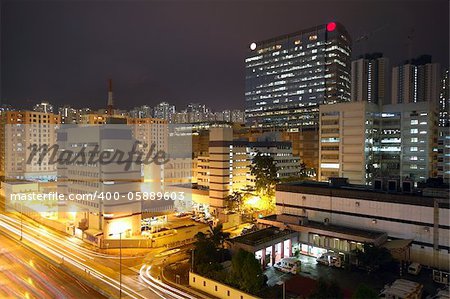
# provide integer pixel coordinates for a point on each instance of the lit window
(414, 121)
(413, 158)
(414, 131)
(413, 148)
(312, 37)
(329, 165)
(414, 139)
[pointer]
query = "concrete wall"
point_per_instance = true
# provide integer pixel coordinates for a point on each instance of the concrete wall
(397, 220)
(216, 289)
(174, 238)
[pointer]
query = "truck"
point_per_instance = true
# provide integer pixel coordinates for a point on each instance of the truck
(402, 289)
(288, 265)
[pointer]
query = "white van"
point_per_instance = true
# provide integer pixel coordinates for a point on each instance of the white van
(414, 268)
(288, 265)
(402, 289)
(331, 259)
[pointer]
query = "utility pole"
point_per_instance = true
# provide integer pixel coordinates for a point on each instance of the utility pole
(120, 263)
(192, 261)
(21, 221)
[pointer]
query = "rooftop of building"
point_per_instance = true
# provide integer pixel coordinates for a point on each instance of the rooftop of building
(262, 236)
(421, 197)
(332, 228)
(339, 26)
(18, 182)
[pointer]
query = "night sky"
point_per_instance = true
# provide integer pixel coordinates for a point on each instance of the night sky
(183, 51)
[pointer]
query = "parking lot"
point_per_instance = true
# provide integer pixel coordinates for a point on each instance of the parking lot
(350, 279)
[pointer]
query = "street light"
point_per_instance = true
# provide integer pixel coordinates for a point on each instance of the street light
(21, 220)
(120, 262)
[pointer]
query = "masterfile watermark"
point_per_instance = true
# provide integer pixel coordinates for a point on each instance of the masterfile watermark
(96, 196)
(140, 154)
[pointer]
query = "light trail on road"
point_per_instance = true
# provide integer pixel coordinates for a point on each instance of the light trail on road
(61, 248)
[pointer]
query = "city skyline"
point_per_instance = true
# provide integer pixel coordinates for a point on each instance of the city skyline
(215, 56)
(210, 149)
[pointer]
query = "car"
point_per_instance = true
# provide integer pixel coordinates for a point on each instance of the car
(414, 268)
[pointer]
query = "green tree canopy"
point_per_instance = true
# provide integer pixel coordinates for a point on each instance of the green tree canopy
(208, 251)
(264, 170)
(327, 290)
(364, 292)
(218, 236)
(373, 257)
(246, 272)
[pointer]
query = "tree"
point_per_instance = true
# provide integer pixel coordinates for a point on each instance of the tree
(235, 201)
(204, 252)
(372, 257)
(364, 292)
(209, 252)
(264, 170)
(246, 272)
(326, 290)
(218, 236)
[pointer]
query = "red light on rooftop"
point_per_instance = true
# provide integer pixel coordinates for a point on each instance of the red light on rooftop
(331, 26)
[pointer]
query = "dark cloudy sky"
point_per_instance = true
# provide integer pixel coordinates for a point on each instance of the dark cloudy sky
(182, 51)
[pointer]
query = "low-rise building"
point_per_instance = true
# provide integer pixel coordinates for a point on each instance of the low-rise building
(341, 217)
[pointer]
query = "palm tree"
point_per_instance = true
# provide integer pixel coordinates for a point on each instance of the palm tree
(218, 236)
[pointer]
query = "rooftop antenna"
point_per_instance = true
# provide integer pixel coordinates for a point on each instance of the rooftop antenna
(110, 106)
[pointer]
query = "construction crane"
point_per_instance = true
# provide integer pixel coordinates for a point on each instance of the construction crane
(363, 39)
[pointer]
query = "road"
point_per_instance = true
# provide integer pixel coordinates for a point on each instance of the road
(23, 274)
(97, 268)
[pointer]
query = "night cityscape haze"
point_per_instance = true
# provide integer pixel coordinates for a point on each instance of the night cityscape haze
(211, 149)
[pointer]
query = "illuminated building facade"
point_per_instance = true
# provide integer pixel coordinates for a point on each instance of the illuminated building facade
(19, 131)
(362, 142)
(418, 80)
(97, 218)
(369, 79)
(288, 77)
(444, 130)
(407, 145)
(347, 141)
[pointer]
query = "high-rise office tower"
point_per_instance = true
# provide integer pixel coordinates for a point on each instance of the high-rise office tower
(417, 80)
(369, 79)
(288, 76)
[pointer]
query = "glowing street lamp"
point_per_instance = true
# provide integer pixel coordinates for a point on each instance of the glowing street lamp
(120, 261)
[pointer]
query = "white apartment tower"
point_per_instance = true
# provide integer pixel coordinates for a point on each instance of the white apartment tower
(369, 79)
(418, 80)
(22, 134)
